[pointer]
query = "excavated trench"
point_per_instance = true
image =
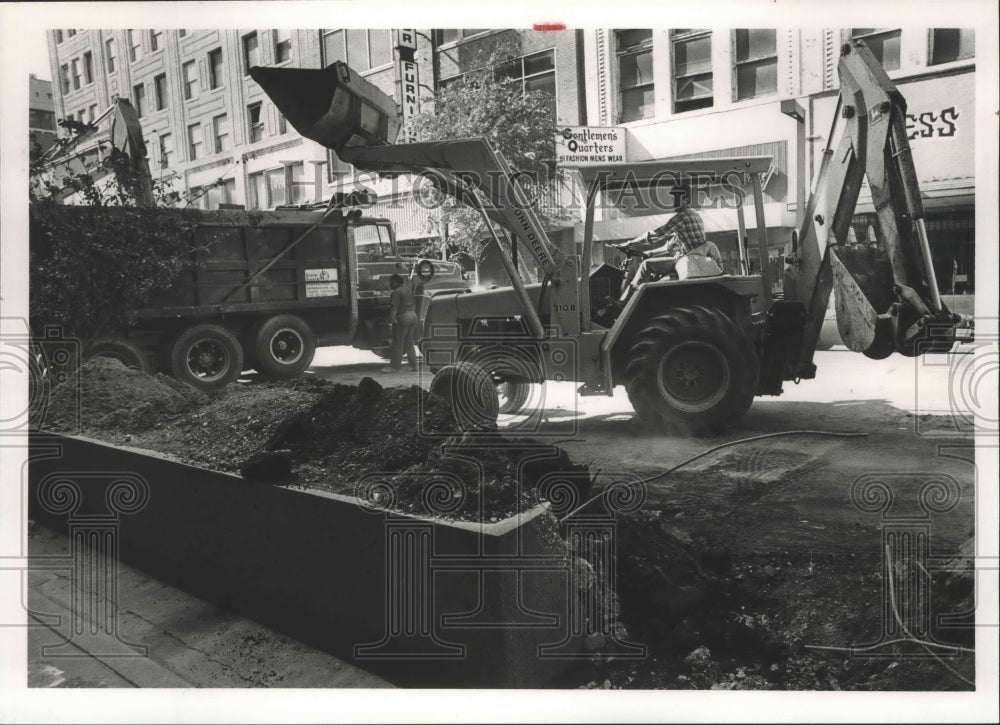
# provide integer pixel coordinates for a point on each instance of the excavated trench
(706, 614)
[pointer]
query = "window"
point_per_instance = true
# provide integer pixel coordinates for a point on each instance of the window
(59, 36)
(691, 53)
(88, 67)
(134, 45)
(109, 53)
(155, 40)
(634, 49)
(337, 170)
(76, 74)
(139, 95)
(41, 119)
(166, 149)
(220, 130)
(196, 146)
(951, 44)
(254, 122)
(756, 66)
(215, 68)
(294, 183)
(360, 49)
(257, 191)
(282, 45)
(251, 52)
(276, 187)
(453, 35)
(181, 33)
(92, 113)
(190, 80)
(222, 192)
(535, 72)
(71, 33)
(333, 46)
(64, 78)
(160, 91)
(282, 124)
(884, 44)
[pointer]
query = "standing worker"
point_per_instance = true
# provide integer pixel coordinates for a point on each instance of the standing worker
(403, 318)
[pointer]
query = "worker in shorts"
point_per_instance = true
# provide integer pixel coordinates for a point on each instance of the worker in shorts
(403, 318)
(684, 236)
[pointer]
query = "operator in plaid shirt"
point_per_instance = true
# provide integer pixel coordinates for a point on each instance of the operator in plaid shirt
(682, 235)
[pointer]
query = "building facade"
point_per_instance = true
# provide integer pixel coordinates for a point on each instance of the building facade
(41, 113)
(682, 93)
(676, 93)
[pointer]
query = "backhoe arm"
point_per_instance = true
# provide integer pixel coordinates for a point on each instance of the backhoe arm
(887, 297)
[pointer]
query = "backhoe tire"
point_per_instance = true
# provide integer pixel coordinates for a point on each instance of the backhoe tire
(119, 349)
(512, 395)
(471, 393)
(206, 356)
(691, 370)
(284, 346)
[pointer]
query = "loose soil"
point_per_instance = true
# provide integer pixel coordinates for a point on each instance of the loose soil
(710, 615)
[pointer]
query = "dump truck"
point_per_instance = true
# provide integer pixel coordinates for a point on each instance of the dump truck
(261, 289)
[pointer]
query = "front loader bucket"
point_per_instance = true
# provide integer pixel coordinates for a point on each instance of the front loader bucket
(863, 294)
(333, 106)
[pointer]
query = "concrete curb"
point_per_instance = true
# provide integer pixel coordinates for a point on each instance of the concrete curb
(420, 601)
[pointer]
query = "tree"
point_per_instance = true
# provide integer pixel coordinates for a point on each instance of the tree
(519, 124)
(94, 264)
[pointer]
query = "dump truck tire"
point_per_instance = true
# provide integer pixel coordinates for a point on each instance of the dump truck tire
(206, 356)
(691, 370)
(512, 395)
(471, 393)
(284, 346)
(119, 349)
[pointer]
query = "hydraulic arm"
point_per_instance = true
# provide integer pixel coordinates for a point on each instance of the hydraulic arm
(85, 153)
(349, 115)
(887, 296)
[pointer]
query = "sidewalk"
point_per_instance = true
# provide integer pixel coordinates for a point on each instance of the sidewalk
(188, 642)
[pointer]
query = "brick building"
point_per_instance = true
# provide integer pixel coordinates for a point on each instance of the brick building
(674, 92)
(689, 92)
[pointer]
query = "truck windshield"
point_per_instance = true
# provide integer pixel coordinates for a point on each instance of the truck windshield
(372, 240)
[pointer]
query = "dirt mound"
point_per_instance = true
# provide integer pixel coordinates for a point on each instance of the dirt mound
(397, 448)
(400, 448)
(111, 396)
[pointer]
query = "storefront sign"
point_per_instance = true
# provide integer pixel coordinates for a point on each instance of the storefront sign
(406, 38)
(939, 125)
(589, 145)
(933, 124)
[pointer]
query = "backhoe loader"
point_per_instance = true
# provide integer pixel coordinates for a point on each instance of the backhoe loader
(692, 354)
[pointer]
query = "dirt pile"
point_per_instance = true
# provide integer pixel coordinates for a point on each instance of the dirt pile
(110, 396)
(398, 448)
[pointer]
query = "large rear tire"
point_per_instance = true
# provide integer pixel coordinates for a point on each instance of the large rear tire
(471, 393)
(691, 370)
(119, 349)
(284, 346)
(206, 356)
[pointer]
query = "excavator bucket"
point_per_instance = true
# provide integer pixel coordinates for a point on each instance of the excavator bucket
(333, 106)
(862, 282)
